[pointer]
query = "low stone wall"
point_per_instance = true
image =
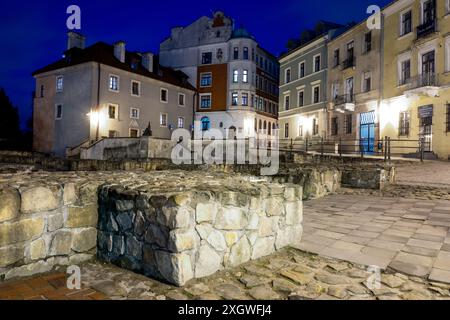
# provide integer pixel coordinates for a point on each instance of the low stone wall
(43, 225)
(368, 177)
(197, 224)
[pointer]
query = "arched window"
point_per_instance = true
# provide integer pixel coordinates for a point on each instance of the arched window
(206, 124)
(270, 129)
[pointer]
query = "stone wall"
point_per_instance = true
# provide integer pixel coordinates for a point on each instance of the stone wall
(376, 178)
(196, 223)
(43, 225)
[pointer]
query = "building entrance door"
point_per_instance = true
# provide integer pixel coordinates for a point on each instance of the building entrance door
(367, 132)
(426, 127)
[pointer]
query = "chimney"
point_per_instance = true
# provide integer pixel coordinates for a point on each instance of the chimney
(75, 40)
(119, 51)
(147, 61)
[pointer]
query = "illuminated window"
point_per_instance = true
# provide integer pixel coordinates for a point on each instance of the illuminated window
(245, 76)
(180, 122)
(235, 76)
(205, 101)
(112, 111)
(206, 79)
(234, 99)
(404, 125)
(59, 83)
(163, 119)
(245, 99)
(134, 113)
(113, 83)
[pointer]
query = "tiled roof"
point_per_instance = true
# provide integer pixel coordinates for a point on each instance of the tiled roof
(104, 53)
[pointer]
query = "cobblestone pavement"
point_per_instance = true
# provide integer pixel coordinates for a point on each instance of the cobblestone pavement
(429, 173)
(288, 274)
(407, 235)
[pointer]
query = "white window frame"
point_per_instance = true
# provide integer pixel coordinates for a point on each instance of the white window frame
(423, 50)
(167, 95)
(118, 82)
(314, 63)
(205, 73)
(242, 99)
(447, 53)
(57, 83)
(284, 102)
(286, 132)
(237, 98)
(312, 92)
(139, 88)
(56, 111)
(160, 120)
(300, 68)
(400, 59)
(363, 78)
(178, 122)
(235, 76)
(129, 132)
(245, 76)
(335, 88)
(116, 117)
(200, 101)
(298, 98)
(184, 99)
(285, 75)
(401, 31)
(131, 113)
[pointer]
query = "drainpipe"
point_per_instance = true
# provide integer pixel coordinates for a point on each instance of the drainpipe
(193, 112)
(98, 103)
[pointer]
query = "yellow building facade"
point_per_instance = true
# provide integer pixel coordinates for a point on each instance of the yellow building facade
(415, 102)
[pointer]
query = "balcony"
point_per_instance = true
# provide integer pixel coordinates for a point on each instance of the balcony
(349, 63)
(344, 103)
(426, 84)
(427, 28)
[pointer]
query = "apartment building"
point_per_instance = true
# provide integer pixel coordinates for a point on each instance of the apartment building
(303, 85)
(354, 84)
(236, 79)
(106, 91)
(416, 78)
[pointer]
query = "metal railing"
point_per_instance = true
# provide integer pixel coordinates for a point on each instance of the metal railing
(348, 63)
(427, 28)
(345, 98)
(385, 148)
(424, 80)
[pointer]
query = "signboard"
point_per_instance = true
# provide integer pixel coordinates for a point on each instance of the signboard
(426, 111)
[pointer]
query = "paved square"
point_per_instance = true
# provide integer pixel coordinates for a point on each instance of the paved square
(408, 235)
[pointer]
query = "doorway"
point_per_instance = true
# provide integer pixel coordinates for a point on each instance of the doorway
(367, 132)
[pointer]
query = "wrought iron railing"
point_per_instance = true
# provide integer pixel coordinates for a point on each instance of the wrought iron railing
(427, 28)
(345, 98)
(424, 80)
(349, 63)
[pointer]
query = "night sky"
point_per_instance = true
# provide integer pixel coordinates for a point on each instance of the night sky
(33, 33)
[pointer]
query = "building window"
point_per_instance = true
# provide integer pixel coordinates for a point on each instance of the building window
(253, 54)
(315, 127)
(134, 133)
(164, 95)
(206, 57)
(235, 76)
(245, 53)
(287, 75)
(317, 63)
(59, 83)
(406, 23)
(404, 125)
(334, 126)
(367, 42)
(135, 88)
(336, 58)
(134, 113)
(300, 130)
(205, 101)
(114, 83)
(181, 99)
(348, 123)
(286, 103)
(234, 99)
(301, 70)
(42, 91)
(316, 94)
(181, 122)
(205, 79)
(301, 98)
(236, 53)
(112, 111)
(366, 82)
(286, 130)
(447, 124)
(58, 112)
(206, 124)
(245, 76)
(405, 72)
(163, 119)
(245, 99)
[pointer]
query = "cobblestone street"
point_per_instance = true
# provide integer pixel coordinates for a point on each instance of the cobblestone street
(430, 173)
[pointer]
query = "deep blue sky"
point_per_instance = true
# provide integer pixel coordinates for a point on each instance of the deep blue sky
(33, 33)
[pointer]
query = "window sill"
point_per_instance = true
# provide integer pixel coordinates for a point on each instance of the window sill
(405, 36)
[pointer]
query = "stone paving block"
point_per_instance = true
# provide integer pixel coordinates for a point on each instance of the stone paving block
(442, 261)
(427, 237)
(348, 246)
(433, 230)
(425, 244)
(328, 234)
(393, 238)
(323, 241)
(383, 244)
(370, 260)
(356, 239)
(410, 268)
(310, 247)
(439, 275)
(414, 259)
(341, 254)
(399, 233)
(366, 234)
(379, 252)
(420, 251)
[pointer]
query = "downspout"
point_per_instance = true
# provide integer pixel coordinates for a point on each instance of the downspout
(193, 113)
(98, 103)
(381, 96)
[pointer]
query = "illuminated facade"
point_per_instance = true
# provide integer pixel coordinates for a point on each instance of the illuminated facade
(416, 76)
